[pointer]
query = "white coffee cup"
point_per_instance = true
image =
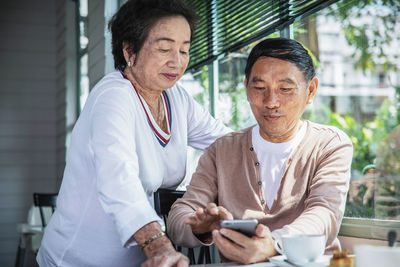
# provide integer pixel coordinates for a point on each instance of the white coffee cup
(302, 248)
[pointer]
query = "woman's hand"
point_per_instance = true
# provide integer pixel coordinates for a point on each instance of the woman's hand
(243, 249)
(159, 251)
(167, 258)
(206, 220)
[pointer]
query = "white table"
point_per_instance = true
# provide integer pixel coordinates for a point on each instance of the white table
(231, 264)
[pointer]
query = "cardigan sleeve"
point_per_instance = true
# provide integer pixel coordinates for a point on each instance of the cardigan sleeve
(112, 141)
(327, 191)
(201, 191)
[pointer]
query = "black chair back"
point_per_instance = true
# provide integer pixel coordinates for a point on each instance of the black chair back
(163, 200)
(42, 200)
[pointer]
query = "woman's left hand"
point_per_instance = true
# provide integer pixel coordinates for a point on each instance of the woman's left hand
(243, 249)
(167, 258)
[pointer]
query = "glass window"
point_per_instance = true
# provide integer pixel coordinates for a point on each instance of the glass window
(196, 82)
(83, 77)
(355, 46)
(232, 106)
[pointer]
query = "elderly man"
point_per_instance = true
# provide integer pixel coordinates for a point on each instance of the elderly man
(290, 174)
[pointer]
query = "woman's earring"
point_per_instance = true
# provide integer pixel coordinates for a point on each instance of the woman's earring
(129, 64)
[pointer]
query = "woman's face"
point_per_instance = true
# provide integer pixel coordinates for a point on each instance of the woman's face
(164, 55)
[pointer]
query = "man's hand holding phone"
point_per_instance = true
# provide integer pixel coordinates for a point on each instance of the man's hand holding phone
(242, 248)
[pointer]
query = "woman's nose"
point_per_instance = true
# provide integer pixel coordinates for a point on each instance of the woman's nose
(175, 59)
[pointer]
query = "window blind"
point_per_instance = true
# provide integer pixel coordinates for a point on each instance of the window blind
(227, 25)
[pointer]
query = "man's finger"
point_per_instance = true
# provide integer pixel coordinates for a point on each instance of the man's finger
(224, 214)
(212, 209)
(201, 214)
(229, 249)
(239, 238)
(262, 230)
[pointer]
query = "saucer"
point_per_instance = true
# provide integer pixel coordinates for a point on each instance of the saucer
(280, 260)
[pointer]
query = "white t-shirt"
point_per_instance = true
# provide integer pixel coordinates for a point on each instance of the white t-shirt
(114, 165)
(273, 158)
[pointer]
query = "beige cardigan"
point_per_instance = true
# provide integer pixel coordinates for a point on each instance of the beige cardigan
(311, 197)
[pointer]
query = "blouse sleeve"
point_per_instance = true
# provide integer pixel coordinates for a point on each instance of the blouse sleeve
(112, 141)
(203, 129)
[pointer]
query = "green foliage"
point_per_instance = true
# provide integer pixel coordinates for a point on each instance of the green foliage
(357, 208)
(372, 38)
(365, 137)
(203, 79)
(397, 88)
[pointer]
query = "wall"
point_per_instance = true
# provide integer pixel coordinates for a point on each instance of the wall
(28, 106)
(38, 98)
(99, 49)
(67, 92)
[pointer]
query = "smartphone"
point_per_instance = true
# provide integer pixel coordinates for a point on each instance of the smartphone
(247, 227)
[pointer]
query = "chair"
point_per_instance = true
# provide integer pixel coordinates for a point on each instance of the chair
(163, 200)
(31, 230)
(42, 200)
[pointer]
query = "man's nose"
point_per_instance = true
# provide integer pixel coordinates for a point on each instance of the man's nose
(271, 100)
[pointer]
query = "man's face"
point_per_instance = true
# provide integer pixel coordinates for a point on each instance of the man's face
(278, 94)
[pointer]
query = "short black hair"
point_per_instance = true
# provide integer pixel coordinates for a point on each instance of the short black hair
(284, 49)
(134, 20)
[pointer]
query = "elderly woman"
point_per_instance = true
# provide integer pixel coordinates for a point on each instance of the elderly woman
(129, 141)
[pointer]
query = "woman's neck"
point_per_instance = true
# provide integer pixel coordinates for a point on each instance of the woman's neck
(151, 97)
(153, 100)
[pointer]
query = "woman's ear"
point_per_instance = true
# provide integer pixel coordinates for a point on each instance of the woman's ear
(128, 54)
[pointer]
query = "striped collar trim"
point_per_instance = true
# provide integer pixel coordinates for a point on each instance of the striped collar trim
(162, 137)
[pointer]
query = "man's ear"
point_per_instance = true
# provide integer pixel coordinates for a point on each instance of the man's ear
(128, 54)
(247, 90)
(312, 90)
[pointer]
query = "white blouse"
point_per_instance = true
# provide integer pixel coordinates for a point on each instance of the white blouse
(114, 165)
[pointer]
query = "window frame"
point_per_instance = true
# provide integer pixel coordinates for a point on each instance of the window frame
(367, 228)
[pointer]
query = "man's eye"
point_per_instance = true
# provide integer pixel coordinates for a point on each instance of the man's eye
(286, 89)
(259, 88)
(164, 50)
(184, 52)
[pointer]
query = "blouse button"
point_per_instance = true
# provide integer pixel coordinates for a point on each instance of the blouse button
(262, 201)
(251, 148)
(259, 183)
(257, 163)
